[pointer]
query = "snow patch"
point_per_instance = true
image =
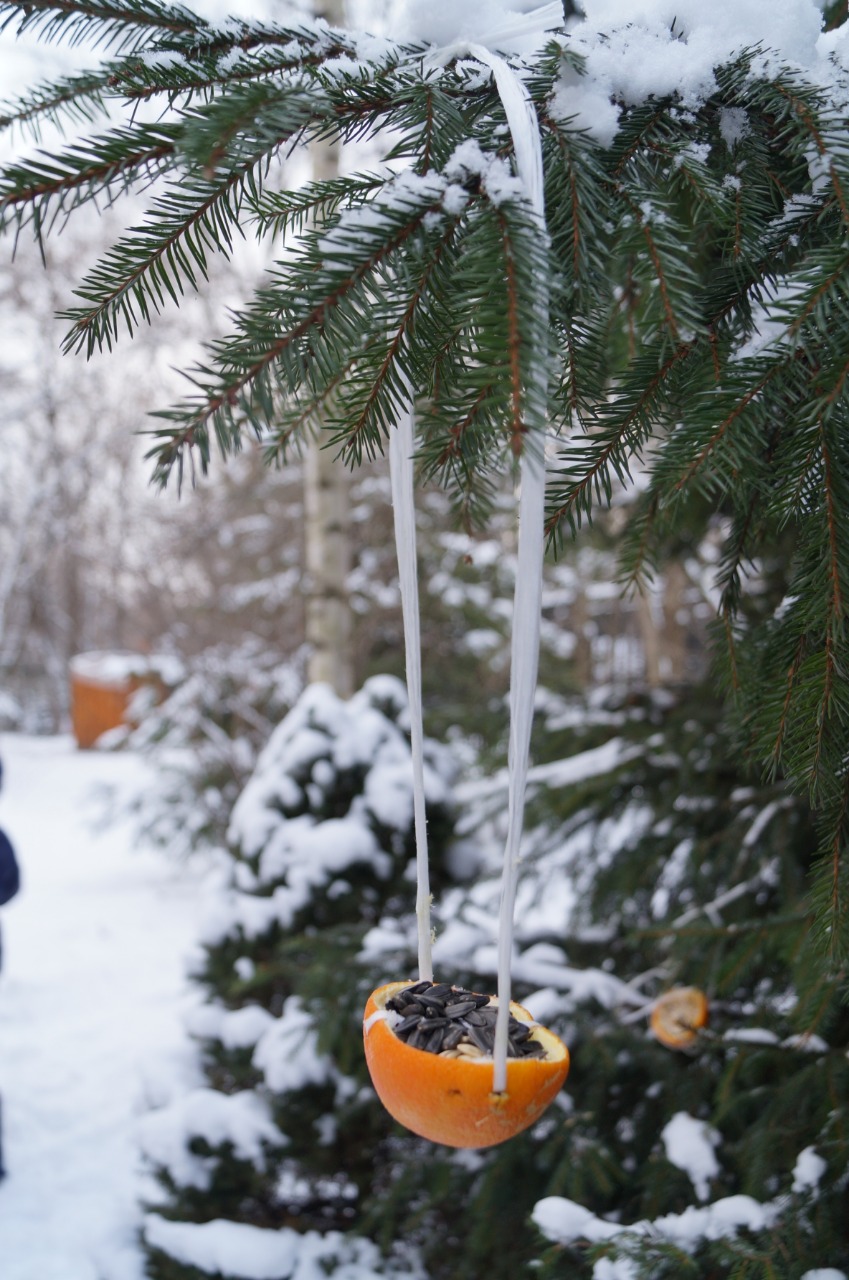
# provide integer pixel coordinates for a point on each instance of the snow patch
(288, 1053)
(565, 1222)
(241, 1119)
(243, 1252)
(689, 1145)
(808, 1171)
(235, 1028)
(661, 48)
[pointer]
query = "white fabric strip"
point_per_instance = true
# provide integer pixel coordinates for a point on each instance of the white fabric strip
(527, 599)
(401, 450)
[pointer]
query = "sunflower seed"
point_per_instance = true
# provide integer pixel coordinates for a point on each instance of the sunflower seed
(431, 1024)
(456, 1023)
(431, 1002)
(435, 1039)
(480, 1038)
(473, 1019)
(460, 1009)
(416, 988)
(453, 1036)
(407, 1024)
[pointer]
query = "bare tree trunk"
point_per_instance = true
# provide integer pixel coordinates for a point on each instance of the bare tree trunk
(650, 620)
(326, 507)
(328, 562)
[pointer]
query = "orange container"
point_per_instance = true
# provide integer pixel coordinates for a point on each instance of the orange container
(101, 687)
(451, 1101)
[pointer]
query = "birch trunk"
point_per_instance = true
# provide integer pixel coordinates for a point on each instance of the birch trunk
(326, 512)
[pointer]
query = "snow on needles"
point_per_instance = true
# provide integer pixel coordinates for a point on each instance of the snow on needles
(565, 1221)
(287, 846)
(689, 1144)
(410, 192)
(241, 1119)
(633, 49)
(660, 47)
(228, 1248)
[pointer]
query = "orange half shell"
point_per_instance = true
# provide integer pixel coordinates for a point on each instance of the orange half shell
(678, 1016)
(450, 1100)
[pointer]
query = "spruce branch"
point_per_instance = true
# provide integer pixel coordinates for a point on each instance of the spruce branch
(159, 259)
(645, 225)
(452, 455)
(179, 74)
(592, 464)
(720, 430)
(363, 423)
(264, 344)
(297, 414)
(832, 514)
(77, 99)
(122, 25)
(283, 213)
(834, 923)
(792, 674)
(37, 192)
(806, 114)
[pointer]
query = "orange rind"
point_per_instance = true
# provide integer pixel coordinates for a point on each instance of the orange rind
(678, 1015)
(451, 1100)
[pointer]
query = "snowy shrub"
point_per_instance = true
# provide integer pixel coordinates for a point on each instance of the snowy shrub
(650, 861)
(203, 741)
(322, 844)
(654, 860)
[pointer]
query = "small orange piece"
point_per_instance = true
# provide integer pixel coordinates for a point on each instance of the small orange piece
(450, 1100)
(677, 1016)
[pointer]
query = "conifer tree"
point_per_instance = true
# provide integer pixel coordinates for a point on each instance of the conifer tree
(696, 310)
(697, 338)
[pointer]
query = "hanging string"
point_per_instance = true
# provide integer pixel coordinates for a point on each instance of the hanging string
(527, 599)
(401, 448)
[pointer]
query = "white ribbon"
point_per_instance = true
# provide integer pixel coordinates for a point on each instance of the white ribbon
(512, 31)
(527, 599)
(401, 448)
(452, 28)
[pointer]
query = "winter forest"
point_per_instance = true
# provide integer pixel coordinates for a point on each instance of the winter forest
(435, 417)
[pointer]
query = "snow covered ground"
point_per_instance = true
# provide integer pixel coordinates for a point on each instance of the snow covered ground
(92, 995)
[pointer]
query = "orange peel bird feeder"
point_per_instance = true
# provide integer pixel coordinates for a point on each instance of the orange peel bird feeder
(678, 1016)
(456, 1066)
(448, 1096)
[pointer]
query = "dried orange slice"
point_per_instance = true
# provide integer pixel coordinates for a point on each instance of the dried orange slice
(677, 1016)
(450, 1099)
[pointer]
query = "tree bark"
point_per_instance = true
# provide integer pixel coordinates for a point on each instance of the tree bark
(327, 522)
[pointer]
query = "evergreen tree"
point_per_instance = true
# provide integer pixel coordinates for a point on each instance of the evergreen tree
(698, 337)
